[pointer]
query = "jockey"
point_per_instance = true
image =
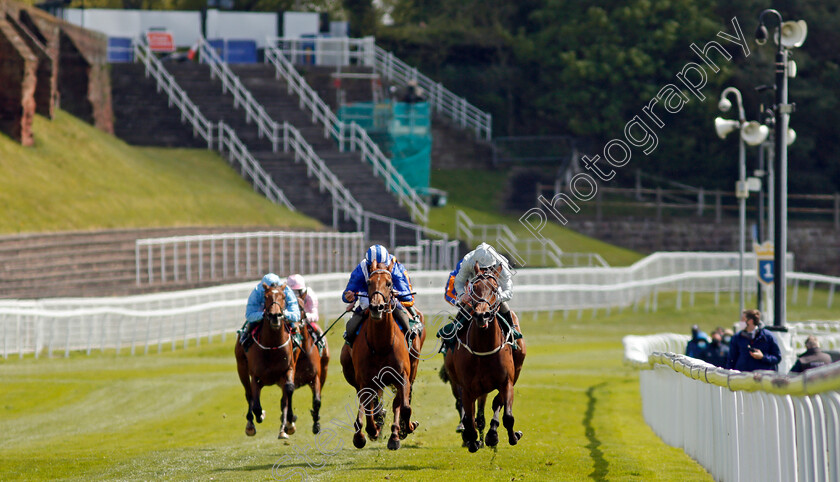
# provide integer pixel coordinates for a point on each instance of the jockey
(255, 309)
(487, 257)
(309, 313)
(358, 284)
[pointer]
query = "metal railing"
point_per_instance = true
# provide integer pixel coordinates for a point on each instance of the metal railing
(522, 251)
(767, 426)
(351, 134)
(227, 138)
(284, 135)
(429, 255)
(217, 257)
(146, 320)
(441, 99)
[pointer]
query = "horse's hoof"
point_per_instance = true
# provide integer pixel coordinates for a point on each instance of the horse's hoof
(492, 438)
(316, 427)
(250, 430)
(473, 447)
(359, 440)
(290, 428)
(393, 443)
(459, 428)
(283, 436)
(515, 438)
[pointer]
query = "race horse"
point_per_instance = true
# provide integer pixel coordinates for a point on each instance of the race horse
(380, 357)
(268, 362)
(310, 369)
(483, 360)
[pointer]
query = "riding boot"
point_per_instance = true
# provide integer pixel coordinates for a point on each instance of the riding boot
(352, 326)
(245, 338)
(507, 314)
(401, 315)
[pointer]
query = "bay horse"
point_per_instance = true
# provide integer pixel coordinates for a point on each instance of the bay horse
(269, 361)
(310, 368)
(482, 361)
(379, 358)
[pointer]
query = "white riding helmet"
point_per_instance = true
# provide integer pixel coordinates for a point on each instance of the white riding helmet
(485, 255)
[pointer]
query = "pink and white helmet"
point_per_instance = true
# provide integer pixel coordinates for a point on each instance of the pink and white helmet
(296, 282)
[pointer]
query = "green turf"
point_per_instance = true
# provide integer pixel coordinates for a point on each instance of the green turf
(479, 195)
(180, 415)
(76, 177)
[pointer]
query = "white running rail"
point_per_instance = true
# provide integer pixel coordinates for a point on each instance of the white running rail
(351, 134)
(364, 51)
(28, 326)
(764, 426)
(237, 152)
(281, 134)
(429, 255)
(524, 251)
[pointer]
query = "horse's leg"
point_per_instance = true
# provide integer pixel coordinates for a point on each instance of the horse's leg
(245, 378)
(492, 438)
(287, 428)
(394, 440)
(381, 412)
(372, 412)
(479, 419)
(316, 404)
(507, 418)
(358, 438)
(469, 435)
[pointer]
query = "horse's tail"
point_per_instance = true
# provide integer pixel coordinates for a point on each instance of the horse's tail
(442, 373)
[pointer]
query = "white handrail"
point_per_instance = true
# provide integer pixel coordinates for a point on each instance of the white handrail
(284, 133)
(262, 182)
(440, 98)
(521, 249)
(347, 133)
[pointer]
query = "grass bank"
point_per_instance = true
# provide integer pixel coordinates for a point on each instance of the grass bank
(79, 178)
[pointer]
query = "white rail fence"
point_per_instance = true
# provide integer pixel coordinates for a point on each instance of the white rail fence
(76, 324)
(741, 426)
(364, 51)
(351, 134)
(227, 139)
(221, 256)
(524, 252)
(429, 255)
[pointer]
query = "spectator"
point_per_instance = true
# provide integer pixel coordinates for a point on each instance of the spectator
(812, 358)
(696, 347)
(727, 336)
(413, 93)
(717, 353)
(753, 348)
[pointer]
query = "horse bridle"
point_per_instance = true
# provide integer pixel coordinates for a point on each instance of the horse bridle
(389, 308)
(281, 317)
(494, 307)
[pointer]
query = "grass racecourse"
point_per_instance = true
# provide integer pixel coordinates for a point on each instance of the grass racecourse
(180, 415)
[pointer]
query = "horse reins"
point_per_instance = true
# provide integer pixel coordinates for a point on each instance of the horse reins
(494, 309)
(279, 317)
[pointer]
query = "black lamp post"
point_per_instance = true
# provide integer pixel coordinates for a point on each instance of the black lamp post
(790, 35)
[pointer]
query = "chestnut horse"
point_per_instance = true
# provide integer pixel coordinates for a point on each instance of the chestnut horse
(269, 361)
(379, 358)
(482, 361)
(310, 368)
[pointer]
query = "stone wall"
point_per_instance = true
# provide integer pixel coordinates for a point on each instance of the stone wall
(18, 67)
(71, 65)
(816, 246)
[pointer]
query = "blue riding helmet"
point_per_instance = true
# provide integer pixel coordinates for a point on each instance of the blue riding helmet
(377, 252)
(272, 279)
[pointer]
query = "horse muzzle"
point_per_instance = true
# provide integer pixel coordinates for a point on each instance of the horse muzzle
(376, 311)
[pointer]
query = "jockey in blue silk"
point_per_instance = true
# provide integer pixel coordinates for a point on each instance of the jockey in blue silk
(255, 309)
(358, 283)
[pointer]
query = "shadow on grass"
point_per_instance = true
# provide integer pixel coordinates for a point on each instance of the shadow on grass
(601, 465)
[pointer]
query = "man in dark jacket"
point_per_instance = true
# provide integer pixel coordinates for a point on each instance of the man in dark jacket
(696, 347)
(717, 353)
(812, 358)
(753, 348)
